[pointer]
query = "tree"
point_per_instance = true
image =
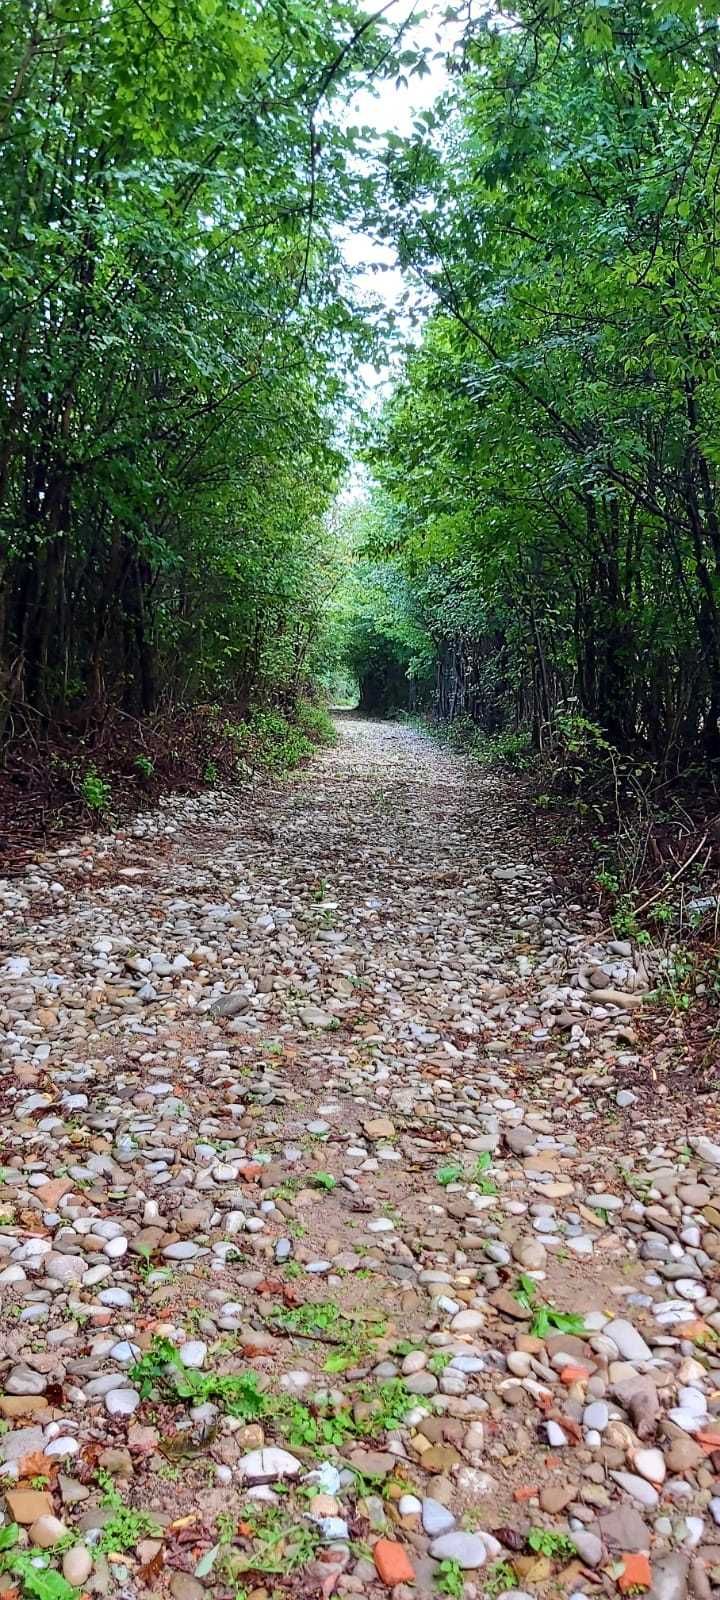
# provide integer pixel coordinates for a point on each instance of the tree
(555, 440)
(173, 326)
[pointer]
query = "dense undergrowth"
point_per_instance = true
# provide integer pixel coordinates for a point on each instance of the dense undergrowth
(125, 764)
(644, 855)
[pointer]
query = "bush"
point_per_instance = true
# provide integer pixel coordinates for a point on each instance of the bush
(95, 791)
(279, 743)
(511, 748)
(316, 723)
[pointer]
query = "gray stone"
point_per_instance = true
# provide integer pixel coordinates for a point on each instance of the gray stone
(624, 1529)
(230, 1005)
(436, 1519)
(589, 1547)
(121, 1402)
(24, 1380)
(264, 1466)
(468, 1549)
(629, 1342)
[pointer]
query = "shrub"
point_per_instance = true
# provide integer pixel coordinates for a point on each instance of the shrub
(314, 721)
(96, 792)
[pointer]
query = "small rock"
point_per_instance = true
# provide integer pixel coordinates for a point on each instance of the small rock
(629, 1342)
(77, 1565)
(28, 1505)
(436, 1519)
(47, 1531)
(184, 1587)
(121, 1402)
(263, 1466)
(468, 1549)
(380, 1128)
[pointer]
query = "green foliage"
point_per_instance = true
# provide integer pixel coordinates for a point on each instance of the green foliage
(314, 721)
(548, 461)
(30, 1569)
(375, 638)
(144, 766)
(95, 791)
(125, 1526)
(454, 1172)
(277, 743)
(501, 1576)
(546, 1319)
(450, 1173)
(548, 1543)
(439, 1361)
(511, 748)
(176, 320)
(449, 1579)
(280, 1543)
(324, 1320)
(680, 973)
(160, 1374)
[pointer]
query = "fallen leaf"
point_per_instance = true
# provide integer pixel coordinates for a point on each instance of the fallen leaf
(152, 1568)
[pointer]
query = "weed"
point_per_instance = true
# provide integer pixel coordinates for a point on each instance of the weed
(125, 1526)
(31, 1569)
(675, 989)
(508, 748)
(160, 1372)
(439, 1362)
(210, 773)
(144, 766)
(662, 913)
(501, 1576)
(324, 1180)
(95, 791)
(161, 1368)
(546, 1319)
(544, 1541)
(405, 1347)
(325, 1320)
(450, 1173)
(279, 1545)
(625, 923)
(450, 1579)
(316, 723)
(453, 1172)
(226, 1526)
(150, 1371)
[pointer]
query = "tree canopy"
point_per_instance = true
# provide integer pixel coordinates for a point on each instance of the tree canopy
(180, 336)
(177, 329)
(551, 450)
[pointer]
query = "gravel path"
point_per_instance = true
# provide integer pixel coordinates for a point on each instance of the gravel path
(340, 1249)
